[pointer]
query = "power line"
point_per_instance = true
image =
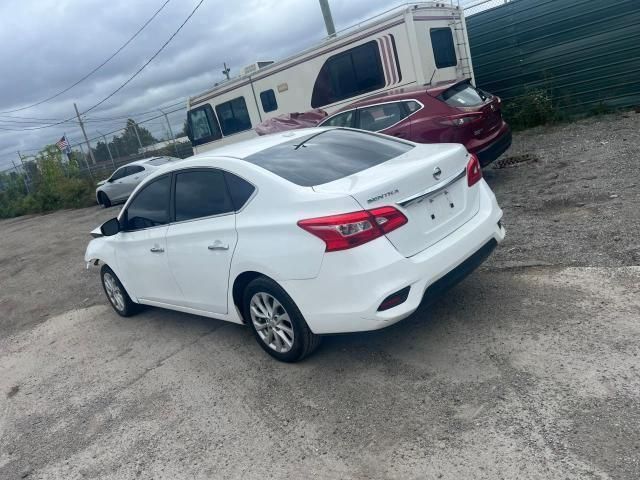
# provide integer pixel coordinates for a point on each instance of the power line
(130, 78)
(95, 69)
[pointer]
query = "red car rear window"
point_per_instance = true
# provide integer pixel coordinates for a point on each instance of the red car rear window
(463, 95)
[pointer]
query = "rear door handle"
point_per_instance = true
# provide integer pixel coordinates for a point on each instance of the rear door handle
(218, 246)
(156, 250)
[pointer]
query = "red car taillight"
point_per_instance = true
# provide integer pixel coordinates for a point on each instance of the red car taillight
(474, 172)
(348, 230)
(459, 120)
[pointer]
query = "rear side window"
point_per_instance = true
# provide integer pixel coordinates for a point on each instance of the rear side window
(344, 119)
(347, 74)
(201, 193)
(150, 207)
(239, 189)
(268, 100)
(327, 156)
(444, 51)
(379, 117)
(234, 116)
(463, 95)
(203, 125)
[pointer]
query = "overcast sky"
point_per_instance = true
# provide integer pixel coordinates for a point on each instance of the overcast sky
(47, 45)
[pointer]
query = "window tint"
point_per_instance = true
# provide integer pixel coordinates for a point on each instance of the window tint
(203, 125)
(233, 116)
(150, 207)
(201, 193)
(463, 95)
(412, 106)
(347, 74)
(240, 190)
(379, 117)
(119, 173)
(444, 51)
(269, 102)
(344, 119)
(132, 169)
(327, 156)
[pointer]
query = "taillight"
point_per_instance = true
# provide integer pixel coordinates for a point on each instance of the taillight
(348, 230)
(474, 172)
(460, 120)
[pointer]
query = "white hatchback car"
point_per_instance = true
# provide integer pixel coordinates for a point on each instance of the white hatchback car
(121, 183)
(299, 234)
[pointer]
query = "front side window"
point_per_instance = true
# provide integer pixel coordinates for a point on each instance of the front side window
(347, 74)
(379, 117)
(268, 100)
(203, 125)
(444, 51)
(119, 173)
(201, 193)
(234, 116)
(133, 169)
(344, 119)
(150, 207)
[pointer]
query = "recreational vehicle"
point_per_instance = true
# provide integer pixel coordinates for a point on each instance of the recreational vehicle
(418, 44)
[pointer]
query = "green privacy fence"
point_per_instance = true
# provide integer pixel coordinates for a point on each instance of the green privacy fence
(585, 52)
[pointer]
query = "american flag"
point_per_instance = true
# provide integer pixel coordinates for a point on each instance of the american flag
(63, 145)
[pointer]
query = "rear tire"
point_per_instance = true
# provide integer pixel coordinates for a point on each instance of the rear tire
(104, 200)
(276, 322)
(116, 294)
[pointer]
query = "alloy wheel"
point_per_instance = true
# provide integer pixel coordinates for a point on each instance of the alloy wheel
(113, 292)
(272, 322)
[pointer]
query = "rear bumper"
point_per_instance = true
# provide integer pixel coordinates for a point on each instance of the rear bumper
(497, 147)
(351, 285)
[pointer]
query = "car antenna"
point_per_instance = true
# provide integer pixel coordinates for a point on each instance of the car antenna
(433, 75)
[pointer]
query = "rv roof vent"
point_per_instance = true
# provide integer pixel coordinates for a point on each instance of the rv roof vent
(254, 67)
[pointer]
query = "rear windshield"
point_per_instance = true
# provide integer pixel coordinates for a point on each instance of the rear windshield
(463, 95)
(330, 155)
(159, 161)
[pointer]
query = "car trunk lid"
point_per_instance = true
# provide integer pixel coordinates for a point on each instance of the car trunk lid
(427, 184)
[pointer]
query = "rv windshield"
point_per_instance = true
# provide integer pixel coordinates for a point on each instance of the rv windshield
(327, 156)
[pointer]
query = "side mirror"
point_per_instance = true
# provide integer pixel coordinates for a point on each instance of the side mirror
(110, 227)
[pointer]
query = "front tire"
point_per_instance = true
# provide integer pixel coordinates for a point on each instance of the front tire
(276, 321)
(104, 200)
(116, 294)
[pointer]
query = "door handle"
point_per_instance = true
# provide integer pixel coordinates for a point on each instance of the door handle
(218, 246)
(156, 249)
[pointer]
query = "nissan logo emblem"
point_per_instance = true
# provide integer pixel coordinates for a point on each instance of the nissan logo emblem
(437, 172)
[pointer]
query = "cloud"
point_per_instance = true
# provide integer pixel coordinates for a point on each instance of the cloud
(49, 44)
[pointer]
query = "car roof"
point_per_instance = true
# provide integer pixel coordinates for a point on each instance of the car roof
(403, 93)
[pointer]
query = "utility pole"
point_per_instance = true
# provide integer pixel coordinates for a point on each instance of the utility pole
(175, 147)
(93, 160)
(25, 172)
(135, 129)
(108, 149)
(84, 156)
(24, 178)
(226, 71)
(328, 19)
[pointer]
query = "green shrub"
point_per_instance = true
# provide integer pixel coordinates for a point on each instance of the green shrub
(533, 108)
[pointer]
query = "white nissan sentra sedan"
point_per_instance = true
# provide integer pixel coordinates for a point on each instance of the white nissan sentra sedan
(299, 234)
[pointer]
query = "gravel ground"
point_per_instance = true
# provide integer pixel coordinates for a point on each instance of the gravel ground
(528, 369)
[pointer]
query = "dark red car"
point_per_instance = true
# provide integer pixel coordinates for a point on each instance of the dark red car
(454, 112)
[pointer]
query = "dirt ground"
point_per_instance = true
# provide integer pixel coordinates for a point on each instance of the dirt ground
(529, 369)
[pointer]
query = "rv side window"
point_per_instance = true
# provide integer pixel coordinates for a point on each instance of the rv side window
(234, 116)
(204, 126)
(269, 102)
(347, 74)
(444, 51)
